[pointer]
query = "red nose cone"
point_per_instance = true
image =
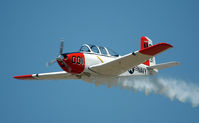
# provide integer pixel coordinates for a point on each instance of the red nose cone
(75, 63)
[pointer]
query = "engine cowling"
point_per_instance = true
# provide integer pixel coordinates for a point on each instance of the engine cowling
(75, 63)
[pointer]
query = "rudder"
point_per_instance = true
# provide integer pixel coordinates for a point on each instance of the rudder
(146, 42)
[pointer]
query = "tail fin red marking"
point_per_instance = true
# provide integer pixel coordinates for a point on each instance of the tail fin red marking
(144, 44)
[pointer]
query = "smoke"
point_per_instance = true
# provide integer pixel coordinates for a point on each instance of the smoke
(173, 88)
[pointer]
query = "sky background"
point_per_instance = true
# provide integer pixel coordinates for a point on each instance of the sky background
(30, 33)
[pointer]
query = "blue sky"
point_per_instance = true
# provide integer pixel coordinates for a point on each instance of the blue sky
(30, 33)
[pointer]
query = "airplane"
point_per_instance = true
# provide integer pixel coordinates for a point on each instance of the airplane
(96, 61)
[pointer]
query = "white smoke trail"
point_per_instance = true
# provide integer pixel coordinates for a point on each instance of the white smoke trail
(172, 88)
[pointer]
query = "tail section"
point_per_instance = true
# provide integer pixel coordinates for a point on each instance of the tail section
(146, 42)
(155, 68)
(163, 65)
(151, 63)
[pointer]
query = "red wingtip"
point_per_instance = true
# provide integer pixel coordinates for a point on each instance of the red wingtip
(155, 49)
(24, 77)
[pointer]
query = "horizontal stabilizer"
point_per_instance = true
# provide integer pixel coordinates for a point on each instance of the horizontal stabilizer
(163, 65)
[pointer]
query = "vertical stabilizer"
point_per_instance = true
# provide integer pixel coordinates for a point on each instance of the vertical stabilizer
(146, 42)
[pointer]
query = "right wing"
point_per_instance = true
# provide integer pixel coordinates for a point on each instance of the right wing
(126, 62)
(48, 76)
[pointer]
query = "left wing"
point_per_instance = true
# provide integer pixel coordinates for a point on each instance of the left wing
(47, 76)
(126, 62)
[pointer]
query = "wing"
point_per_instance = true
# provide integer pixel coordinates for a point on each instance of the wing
(47, 76)
(124, 63)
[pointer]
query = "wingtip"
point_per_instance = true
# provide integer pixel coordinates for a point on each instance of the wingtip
(23, 77)
(155, 49)
(177, 63)
(169, 45)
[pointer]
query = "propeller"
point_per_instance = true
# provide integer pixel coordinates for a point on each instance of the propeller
(60, 57)
(61, 46)
(50, 63)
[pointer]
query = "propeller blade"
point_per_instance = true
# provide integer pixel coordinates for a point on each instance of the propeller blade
(61, 58)
(61, 46)
(58, 58)
(67, 66)
(50, 63)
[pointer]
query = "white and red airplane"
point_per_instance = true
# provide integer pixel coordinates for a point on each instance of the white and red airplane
(96, 61)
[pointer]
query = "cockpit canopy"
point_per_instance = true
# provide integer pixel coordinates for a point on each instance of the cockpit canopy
(98, 49)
